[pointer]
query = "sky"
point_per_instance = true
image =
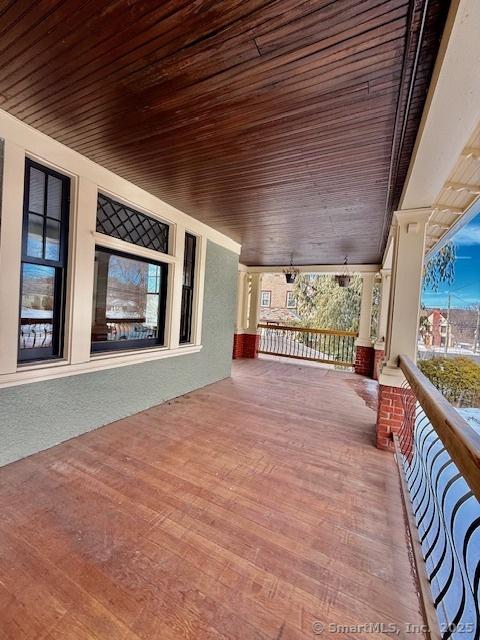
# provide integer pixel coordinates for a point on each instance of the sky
(465, 290)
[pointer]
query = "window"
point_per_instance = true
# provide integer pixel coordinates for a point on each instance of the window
(265, 298)
(128, 301)
(187, 288)
(44, 263)
(291, 302)
(119, 221)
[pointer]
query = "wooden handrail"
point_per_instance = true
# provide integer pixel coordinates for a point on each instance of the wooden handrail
(125, 320)
(460, 440)
(331, 332)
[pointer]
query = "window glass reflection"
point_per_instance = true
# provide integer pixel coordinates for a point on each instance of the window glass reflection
(36, 195)
(54, 197)
(52, 240)
(37, 298)
(35, 236)
(127, 301)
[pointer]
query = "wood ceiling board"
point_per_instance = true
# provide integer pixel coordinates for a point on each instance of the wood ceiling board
(271, 120)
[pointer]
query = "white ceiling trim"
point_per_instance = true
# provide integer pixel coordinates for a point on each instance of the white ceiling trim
(452, 110)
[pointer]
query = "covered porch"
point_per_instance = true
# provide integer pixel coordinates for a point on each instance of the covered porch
(155, 160)
(256, 507)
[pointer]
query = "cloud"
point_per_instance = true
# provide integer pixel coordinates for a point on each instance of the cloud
(469, 235)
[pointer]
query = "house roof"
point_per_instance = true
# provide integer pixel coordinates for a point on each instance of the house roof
(278, 315)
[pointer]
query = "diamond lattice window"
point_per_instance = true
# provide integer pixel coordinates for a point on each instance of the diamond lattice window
(119, 221)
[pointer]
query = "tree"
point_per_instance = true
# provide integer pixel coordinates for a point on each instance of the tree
(322, 304)
(458, 379)
(440, 268)
(424, 325)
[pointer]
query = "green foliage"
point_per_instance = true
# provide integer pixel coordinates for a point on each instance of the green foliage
(322, 304)
(458, 379)
(440, 268)
(376, 298)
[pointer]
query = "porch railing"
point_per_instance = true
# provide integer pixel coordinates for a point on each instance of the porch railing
(328, 346)
(439, 453)
(35, 332)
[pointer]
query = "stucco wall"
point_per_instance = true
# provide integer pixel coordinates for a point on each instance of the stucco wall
(2, 151)
(37, 416)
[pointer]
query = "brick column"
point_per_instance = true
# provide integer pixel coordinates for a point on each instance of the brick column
(409, 232)
(237, 346)
(246, 338)
(364, 360)
(392, 416)
(245, 345)
(250, 348)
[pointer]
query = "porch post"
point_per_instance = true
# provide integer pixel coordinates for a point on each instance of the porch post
(241, 316)
(403, 318)
(245, 339)
(379, 345)
(251, 334)
(364, 349)
(11, 208)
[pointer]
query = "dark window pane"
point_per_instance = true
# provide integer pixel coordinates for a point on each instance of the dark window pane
(36, 317)
(187, 290)
(44, 243)
(54, 198)
(35, 236)
(52, 240)
(36, 195)
(119, 221)
(127, 300)
(188, 275)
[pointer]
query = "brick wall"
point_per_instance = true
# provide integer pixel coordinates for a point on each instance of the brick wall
(391, 414)
(379, 355)
(364, 361)
(245, 345)
(278, 287)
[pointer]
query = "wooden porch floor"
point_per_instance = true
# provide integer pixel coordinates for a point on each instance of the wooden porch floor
(251, 509)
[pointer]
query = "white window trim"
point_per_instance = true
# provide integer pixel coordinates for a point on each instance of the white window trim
(291, 306)
(87, 180)
(266, 306)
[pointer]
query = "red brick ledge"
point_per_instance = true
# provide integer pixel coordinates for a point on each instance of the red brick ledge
(391, 414)
(245, 345)
(364, 361)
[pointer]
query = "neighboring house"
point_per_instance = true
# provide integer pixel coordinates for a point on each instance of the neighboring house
(277, 300)
(436, 330)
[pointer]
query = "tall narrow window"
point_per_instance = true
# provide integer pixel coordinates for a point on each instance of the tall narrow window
(44, 263)
(187, 289)
(265, 298)
(128, 301)
(291, 300)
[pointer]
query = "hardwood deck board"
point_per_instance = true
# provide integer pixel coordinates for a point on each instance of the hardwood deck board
(245, 510)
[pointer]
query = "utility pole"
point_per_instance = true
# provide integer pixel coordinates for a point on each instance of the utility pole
(477, 331)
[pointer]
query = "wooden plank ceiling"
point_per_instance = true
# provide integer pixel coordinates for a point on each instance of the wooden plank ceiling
(286, 124)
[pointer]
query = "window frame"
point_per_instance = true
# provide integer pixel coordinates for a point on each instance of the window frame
(86, 179)
(266, 306)
(109, 346)
(139, 210)
(290, 306)
(60, 266)
(190, 290)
